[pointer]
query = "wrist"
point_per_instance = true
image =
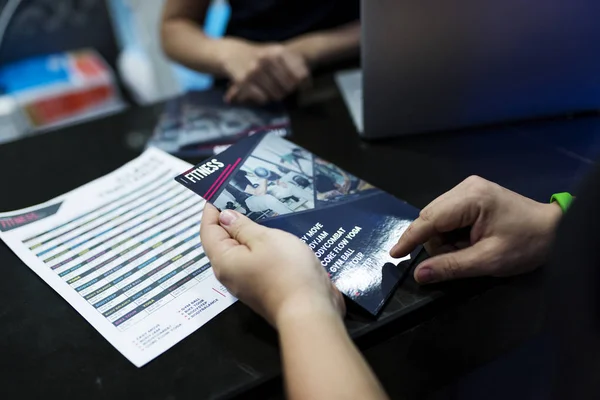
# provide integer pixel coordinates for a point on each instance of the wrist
(554, 213)
(306, 48)
(225, 52)
(563, 200)
(302, 309)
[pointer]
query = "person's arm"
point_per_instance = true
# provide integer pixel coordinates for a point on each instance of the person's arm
(319, 359)
(328, 195)
(257, 191)
(319, 48)
(184, 41)
(345, 187)
(279, 277)
(250, 189)
(262, 187)
(259, 73)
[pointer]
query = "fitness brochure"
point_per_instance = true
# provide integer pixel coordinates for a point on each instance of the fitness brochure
(349, 224)
(200, 124)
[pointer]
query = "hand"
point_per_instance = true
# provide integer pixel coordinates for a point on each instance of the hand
(264, 73)
(271, 271)
(480, 228)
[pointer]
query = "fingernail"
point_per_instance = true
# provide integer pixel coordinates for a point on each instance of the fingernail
(227, 217)
(425, 275)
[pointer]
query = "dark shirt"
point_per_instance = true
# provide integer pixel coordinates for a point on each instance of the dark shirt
(574, 296)
(240, 178)
(279, 20)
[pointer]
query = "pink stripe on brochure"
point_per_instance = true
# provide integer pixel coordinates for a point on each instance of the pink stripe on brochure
(224, 179)
(217, 181)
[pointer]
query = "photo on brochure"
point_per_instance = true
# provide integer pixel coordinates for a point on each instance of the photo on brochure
(276, 179)
(333, 184)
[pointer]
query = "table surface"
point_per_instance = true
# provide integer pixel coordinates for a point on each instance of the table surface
(48, 349)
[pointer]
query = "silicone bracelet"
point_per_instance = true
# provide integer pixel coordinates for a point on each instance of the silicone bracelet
(564, 200)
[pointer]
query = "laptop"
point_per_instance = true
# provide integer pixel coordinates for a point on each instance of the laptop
(440, 65)
(350, 85)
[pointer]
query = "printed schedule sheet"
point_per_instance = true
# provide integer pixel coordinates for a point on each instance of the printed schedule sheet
(125, 252)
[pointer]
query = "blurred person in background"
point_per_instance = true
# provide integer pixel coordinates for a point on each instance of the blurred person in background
(270, 46)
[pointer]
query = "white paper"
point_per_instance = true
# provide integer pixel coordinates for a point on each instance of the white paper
(125, 252)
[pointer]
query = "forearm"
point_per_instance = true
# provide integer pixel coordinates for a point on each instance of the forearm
(262, 187)
(324, 47)
(184, 42)
(321, 362)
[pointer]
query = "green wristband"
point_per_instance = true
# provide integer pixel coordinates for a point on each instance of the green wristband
(564, 200)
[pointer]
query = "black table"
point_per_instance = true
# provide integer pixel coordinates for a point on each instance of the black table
(47, 349)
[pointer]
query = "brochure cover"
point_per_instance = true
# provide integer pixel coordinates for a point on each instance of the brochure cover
(349, 224)
(199, 123)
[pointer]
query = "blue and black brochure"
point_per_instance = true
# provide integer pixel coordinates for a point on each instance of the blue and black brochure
(349, 224)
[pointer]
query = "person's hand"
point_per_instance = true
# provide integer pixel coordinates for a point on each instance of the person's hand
(263, 73)
(271, 271)
(477, 229)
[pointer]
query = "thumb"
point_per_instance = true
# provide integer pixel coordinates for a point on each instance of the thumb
(241, 228)
(231, 93)
(470, 262)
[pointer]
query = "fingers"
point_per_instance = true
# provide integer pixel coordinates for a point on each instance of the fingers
(242, 229)
(274, 74)
(282, 76)
(297, 68)
(406, 243)
(453, 212)
(251, 93)
(287, 69)
(417, 233)
(232, 93)
(215, 239)
(434, 245)
(473, 261)
(268, 82)
(246, 93)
